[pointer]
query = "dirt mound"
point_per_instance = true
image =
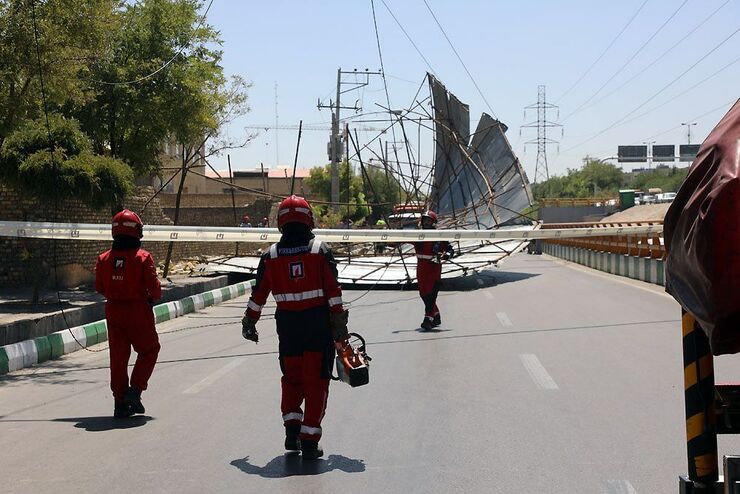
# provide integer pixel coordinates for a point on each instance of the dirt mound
(644, 212)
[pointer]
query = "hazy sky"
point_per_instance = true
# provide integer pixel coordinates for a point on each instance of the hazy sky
(510, 47)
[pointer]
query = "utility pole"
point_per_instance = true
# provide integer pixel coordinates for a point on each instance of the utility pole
(541, 173)
(335, 143)
(649, 145)
(688, 129)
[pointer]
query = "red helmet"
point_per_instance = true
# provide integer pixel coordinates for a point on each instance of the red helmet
(430, 214)
(295, 209)
(127, 223)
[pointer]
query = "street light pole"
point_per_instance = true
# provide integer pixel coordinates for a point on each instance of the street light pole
(688, 129)
(649, 153)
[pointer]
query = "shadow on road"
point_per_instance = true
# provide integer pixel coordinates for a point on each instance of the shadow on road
(289, 465)
(106, 423)
(421, 330)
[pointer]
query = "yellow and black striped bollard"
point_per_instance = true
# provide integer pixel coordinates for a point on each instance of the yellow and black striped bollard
(701, 433)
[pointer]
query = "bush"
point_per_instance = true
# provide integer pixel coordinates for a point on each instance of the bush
(71, 171)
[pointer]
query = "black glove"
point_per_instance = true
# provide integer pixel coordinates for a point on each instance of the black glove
(249, 329)
(338, 325)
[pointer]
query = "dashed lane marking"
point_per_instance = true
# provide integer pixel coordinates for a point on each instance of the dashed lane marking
(207, 381)
(503, 319)
(537, 371)
(619, 487)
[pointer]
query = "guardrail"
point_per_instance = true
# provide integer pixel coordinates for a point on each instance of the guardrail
(650, 246)
(574, 202)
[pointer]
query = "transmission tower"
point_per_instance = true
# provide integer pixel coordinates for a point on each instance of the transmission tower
(541, 172)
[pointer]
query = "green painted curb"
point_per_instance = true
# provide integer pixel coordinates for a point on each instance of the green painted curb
(207, 299)
(43, 348)
(241, 288)
(225, 293)
(188, 305)
(57, 345)
(91, 334)
(3, 361)
(161, 313)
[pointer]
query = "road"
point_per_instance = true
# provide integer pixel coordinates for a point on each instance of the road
(544, 378)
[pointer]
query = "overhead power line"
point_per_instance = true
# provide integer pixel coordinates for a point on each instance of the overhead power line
(653, 62)
(634, 55)
(641, 105)
(408, 37)
(460, 58)
(166, 64)
(619, 34)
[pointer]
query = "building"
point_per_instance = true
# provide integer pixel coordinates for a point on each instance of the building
(274, 181)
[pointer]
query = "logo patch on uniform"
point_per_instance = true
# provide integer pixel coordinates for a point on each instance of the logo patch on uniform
(119, 263)
(296, 270)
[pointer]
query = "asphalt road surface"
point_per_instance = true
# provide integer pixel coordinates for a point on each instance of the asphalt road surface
(544, 378)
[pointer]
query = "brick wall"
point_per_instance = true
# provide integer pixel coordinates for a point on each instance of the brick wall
(24, 260)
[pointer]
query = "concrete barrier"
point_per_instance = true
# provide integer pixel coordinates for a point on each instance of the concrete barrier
(638, 268)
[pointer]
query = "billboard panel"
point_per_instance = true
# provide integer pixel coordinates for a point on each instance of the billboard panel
(688, 152)
(664, 152)
(632, 154)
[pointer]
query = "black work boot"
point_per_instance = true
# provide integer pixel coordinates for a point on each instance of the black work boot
(292, 443)
(311, 450)
(133, 398)
(121, 410)
(437, 320)
(427, 323)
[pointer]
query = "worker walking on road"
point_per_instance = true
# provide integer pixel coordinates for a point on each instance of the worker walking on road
(301, 273)
(127, 278)
(429, 257)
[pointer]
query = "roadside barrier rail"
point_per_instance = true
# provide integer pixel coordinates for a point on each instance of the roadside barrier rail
(629, 242)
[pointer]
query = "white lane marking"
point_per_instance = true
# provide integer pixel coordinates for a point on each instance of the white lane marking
(619, 487)
(537, 372)
(207, 381)
(503, 319)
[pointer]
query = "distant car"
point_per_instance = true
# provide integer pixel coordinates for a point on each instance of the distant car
(648, 199)
(667, 197)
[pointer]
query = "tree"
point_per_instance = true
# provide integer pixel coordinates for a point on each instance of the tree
(594, 179)
(71, 34)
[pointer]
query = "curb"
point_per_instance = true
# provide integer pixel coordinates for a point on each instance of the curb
(30, 352)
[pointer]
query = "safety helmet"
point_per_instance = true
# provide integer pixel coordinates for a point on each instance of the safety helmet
(429, 214)
(295, 209)
(264, 220)
(127, 223)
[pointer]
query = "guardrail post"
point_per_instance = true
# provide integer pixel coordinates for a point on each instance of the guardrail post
(701, 432)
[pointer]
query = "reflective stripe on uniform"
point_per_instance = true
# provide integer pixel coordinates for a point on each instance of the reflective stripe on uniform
(423, 256)
(292, 416)
(273, 251)
(254, 306)
(297, 297)
(315, 246)
(310, 430)
(335, 301)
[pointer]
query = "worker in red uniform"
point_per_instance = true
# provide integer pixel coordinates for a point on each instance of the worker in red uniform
(301, 273)
(127, 278)
(429, 257)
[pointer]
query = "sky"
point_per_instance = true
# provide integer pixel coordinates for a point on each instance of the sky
(642, 83)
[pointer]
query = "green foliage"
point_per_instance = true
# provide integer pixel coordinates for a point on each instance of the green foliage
(71, 34)
(668, 180)
(594, 179)
(73, 172)
(181, 102)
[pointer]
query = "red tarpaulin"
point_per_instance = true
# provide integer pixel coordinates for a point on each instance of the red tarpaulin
(702, 237)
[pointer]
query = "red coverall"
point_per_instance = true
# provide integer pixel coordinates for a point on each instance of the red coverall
(429, 272)
(128, 280)
(302, 277)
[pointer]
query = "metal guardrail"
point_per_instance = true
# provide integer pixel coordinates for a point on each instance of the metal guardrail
(639, 245)
(561, 202)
